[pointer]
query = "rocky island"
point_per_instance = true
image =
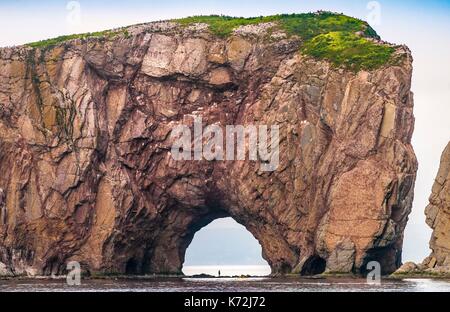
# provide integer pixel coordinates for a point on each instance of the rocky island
(438, 218)
(87, 175)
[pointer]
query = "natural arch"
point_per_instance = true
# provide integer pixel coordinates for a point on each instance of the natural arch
(88, 174)
(224, 245)
(163, 250)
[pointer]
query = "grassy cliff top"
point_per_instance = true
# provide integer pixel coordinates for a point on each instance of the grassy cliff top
(340, 39)
(47, 43)
(304, 25)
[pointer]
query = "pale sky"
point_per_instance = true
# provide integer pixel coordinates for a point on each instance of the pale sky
(422, 25)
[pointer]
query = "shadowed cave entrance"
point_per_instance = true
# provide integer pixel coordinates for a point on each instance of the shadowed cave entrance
(200, 236)
(226, 246)
(204, 240)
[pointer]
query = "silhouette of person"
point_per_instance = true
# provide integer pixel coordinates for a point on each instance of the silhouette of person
(219, 273)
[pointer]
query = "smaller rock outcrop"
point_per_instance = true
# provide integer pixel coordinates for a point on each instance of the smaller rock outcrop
(438, 218)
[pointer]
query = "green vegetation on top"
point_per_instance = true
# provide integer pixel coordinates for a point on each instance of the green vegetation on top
(340, 39)
(349, 50)
(54, 41)
(305, 25)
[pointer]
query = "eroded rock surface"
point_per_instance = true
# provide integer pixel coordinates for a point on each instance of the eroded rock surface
(87, 173)
(438, 217)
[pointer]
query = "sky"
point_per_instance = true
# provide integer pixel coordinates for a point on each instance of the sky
(217, 244)
(422, 25)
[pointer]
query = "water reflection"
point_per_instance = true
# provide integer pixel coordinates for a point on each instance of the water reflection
(227, 284)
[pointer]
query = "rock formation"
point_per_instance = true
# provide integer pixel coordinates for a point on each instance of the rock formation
(438, 215)
(87, 173)
(438, 218)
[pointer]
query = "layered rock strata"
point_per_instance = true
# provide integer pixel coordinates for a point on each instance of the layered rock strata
(87, 173)
(438, 215)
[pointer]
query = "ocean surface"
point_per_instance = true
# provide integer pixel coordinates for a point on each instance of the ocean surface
(227, 270)
(227, 284)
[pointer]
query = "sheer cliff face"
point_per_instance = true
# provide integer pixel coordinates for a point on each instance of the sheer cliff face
(87, 175)
(438, 216)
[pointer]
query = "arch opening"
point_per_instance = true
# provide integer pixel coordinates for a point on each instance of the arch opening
(226, 246)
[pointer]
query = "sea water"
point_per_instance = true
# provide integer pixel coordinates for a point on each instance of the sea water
(239, 283)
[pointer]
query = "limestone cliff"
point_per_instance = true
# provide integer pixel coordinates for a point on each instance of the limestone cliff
(438, 217)
(87, 175)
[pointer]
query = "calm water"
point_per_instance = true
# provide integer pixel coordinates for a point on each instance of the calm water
(256, 284)
(227, 270)
(227, 284)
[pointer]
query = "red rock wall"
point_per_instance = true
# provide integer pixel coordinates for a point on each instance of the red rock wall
(87, 174)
